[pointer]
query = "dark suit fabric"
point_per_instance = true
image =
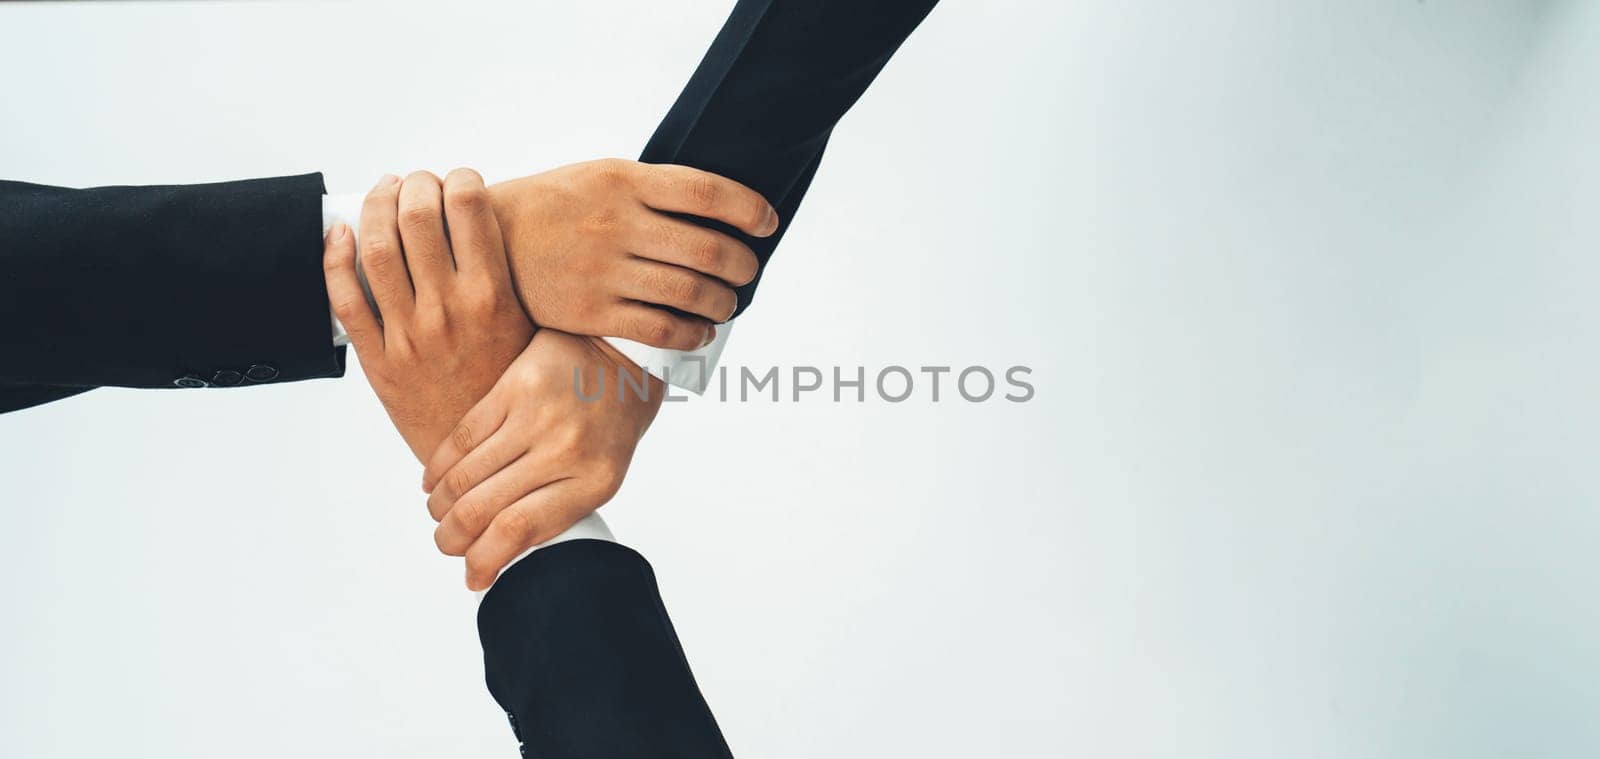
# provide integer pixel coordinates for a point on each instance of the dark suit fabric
(146, 286)
(765, 99)
(578, 649)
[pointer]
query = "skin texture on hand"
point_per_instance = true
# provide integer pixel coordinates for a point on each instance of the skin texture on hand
(449, 323)
(539, 452)
(593, 248)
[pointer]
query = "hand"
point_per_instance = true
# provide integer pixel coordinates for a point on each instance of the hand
(592, 249)
(450, 323)
(533, 457)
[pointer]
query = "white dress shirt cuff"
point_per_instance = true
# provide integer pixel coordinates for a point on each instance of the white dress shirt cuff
(690, 370)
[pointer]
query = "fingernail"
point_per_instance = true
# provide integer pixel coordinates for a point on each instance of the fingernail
(711, 334)
(772, 221)
(338, 231)
(386, 180)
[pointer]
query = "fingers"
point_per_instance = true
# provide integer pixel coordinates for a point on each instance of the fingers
(474, 231)
(481, 422)
(660, 328)
(472, 514)
(691, 246)
(534, 519)
(344, 291)
(482, 462)
(421, 216)
(663, 285)
(680, 189)
(382, 257)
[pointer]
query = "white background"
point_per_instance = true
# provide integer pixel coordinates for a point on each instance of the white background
(1307, 288)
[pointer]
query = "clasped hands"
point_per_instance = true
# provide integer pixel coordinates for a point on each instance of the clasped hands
(487, 301)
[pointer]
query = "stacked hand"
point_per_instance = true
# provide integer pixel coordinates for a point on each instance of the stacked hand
(450, 321)
(591, 249)
(535, 456)
(524, 431)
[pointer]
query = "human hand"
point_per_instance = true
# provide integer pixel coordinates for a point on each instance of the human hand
(592, 249)
(450, 322)
(533, 457)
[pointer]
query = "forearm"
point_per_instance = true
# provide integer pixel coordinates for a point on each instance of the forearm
(162, 286)
(760, 110)
(581, 654)
(763, 102)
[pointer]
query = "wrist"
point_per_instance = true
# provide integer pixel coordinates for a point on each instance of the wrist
(624, 365)
(506, 199)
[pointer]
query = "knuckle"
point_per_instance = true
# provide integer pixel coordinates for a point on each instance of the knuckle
(681, 336)
(611, 171)
(381, 196)
(402, 348)
(377, 251)
(466, 199)
(349, 307)
(431, 322)
(655, 329)
(460, 480)
(515, 525)
(463, 438)
(683, 288)
(419, 216)
(471, 514)
(333, 263)
(541, 383)
(567, 444)
(703, 193)
(501, 304)
(480, 302)
(705, 254)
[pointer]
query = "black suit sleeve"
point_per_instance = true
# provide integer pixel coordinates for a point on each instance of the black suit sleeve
(579, 651)
(765, 99)
(161, 286)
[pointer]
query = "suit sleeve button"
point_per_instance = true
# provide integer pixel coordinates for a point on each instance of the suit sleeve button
(261, 373)
(226, 378)
(190, 381)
